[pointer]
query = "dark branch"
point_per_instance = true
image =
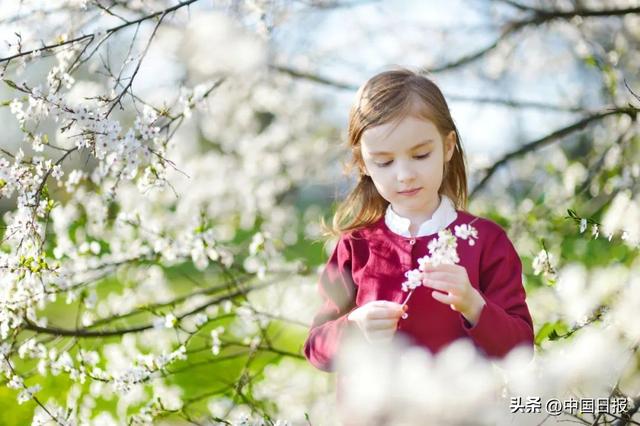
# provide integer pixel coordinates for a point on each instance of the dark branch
(634, 94)
(512, 103)
(108, 11)
(87, 333)
(472, 56)
(537, 17)
(110, 30)
(313, 77)
(550, 138)
(520, 6)
(135, 72)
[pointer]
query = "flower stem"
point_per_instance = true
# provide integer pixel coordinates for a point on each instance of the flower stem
(405, 315)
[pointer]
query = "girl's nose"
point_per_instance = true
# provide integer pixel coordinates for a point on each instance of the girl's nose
(404, 173)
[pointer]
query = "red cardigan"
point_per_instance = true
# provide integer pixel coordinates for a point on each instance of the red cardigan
(369, 264)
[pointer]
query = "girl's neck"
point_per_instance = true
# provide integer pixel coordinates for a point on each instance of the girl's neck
(415, 221)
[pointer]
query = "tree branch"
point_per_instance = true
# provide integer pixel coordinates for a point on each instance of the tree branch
(538, 17)
(520, 6)
(135, 71)
(313, 77)
(550, 138)
(88, 333)
(512, 103)
(110, 30)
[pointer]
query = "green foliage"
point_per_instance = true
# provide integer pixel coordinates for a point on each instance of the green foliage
(551, 331)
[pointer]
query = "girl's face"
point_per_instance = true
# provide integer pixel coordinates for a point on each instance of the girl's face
(405, 160)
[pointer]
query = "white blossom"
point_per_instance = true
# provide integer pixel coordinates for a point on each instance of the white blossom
(28, 393)
(170, 321)
(544, 263)
(215, 340)
(442, 250)
(466, 231)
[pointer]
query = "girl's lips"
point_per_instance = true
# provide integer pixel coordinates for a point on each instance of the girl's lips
(410, 192)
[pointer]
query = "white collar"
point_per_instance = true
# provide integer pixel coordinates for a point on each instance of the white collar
(442, 217)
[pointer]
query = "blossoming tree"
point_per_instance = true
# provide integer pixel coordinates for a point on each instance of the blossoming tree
(140, 219)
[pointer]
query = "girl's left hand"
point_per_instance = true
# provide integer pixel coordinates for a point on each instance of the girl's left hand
(459, 293)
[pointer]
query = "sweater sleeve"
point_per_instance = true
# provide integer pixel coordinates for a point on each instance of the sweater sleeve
(330, 324)
(505, 321)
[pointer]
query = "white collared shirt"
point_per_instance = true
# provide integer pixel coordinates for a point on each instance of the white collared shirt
(442, 217)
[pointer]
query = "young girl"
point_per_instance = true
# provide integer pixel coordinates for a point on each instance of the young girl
(412, 185)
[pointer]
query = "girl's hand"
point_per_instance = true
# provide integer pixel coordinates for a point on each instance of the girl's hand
(378, 320)
(458, 291)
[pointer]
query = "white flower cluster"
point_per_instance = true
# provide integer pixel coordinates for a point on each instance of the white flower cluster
(193, 98)
(119, 155)
(21, 282)
(56, 364)
(147, 414)
(467, 232)
(58, 75)
(429, 386)
(204, 250)
(544, 263)
(588, 361)
(31, 277)
(53, 414)
(168, 321)
(147, 365)
(146, 124)
(215, 340)
(26, 393)
(442, 250)
(263, 254)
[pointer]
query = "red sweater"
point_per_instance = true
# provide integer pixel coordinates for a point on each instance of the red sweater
(369, 264)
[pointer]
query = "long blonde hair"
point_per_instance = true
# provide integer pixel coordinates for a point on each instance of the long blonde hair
(386, 97)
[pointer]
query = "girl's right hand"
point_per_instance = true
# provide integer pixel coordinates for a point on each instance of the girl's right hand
(378, 320)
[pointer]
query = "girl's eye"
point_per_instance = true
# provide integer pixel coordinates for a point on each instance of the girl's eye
(422, 156)
(385, 164)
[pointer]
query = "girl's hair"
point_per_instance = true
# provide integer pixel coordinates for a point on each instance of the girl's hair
(389, 96)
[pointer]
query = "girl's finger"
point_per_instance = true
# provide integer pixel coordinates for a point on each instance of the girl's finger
(438, 285)
(444, 298)
(384, 313)
(443, 267)
(385, 304)
(378, 325)
(443, 276)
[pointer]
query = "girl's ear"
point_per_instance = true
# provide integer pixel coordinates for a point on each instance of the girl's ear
(449, 145)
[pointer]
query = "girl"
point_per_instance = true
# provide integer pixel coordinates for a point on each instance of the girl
(412, 185)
